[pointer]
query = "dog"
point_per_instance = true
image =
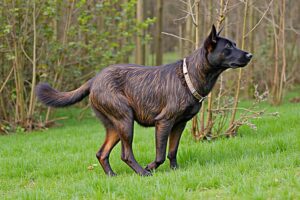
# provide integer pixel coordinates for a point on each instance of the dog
(164, 96)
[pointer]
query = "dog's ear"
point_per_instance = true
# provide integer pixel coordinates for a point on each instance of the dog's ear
(211, 40)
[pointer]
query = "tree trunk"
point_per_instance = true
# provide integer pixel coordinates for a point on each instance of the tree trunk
(33, 82)
(181, 49)
(276, 65)
(60, 72)
(195, 128)
(158, 39)
(283, 69)
(236, 99)
(140, 47)
(210, 98)
(250, 77)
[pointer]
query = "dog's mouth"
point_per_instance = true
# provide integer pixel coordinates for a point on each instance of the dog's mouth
(238, 65)
(241, 62)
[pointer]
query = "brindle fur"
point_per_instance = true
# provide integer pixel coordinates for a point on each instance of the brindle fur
(152, 96)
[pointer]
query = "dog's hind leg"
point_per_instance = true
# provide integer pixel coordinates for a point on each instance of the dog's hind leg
(119, 117)
(126, 135)
(162, 131)
(174, 139)
(112, 138)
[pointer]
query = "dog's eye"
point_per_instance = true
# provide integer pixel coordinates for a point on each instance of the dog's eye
(228, 46)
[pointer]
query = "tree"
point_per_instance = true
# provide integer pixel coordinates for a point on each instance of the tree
(140, 47)
(158, 36)
(232, 127)
(279, 79)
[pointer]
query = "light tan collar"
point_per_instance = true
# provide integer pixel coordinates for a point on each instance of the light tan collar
(189, 83)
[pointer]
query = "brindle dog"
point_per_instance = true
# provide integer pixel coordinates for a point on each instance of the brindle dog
(152, 96)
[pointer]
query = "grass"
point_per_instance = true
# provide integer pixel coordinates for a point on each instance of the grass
(53, 164)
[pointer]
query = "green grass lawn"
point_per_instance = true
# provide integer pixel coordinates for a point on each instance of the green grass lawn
(53, 164)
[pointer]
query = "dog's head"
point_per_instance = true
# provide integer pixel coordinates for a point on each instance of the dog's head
(222, 52)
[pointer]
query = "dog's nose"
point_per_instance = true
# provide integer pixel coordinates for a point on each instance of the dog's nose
(249, 56)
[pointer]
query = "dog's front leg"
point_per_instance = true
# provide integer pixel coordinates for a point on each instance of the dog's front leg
(174, 139)
(162, 131)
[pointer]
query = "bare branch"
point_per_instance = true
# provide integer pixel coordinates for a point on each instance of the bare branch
(263, 16)
(181, 18)
(243, 109)
(176, 36)
(184, 2)
(26, 55)
(291, 28)
(7, 78)
(191, 12)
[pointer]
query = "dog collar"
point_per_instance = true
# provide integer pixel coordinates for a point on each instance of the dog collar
(189, 83)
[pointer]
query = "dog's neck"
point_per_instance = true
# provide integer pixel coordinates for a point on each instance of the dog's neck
(202, 74)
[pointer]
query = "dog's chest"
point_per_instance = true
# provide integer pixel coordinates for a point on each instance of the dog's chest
(191, 111)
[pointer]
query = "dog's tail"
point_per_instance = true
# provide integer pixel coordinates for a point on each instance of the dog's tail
(54, 98)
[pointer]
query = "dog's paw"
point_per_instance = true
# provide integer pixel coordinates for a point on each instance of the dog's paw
(111, 174)
(173, 165)
(146, 172)
(151, 166)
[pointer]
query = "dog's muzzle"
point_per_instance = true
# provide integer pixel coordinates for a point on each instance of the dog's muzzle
(249, 56)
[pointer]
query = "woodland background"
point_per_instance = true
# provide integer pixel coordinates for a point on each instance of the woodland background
(66, 42)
